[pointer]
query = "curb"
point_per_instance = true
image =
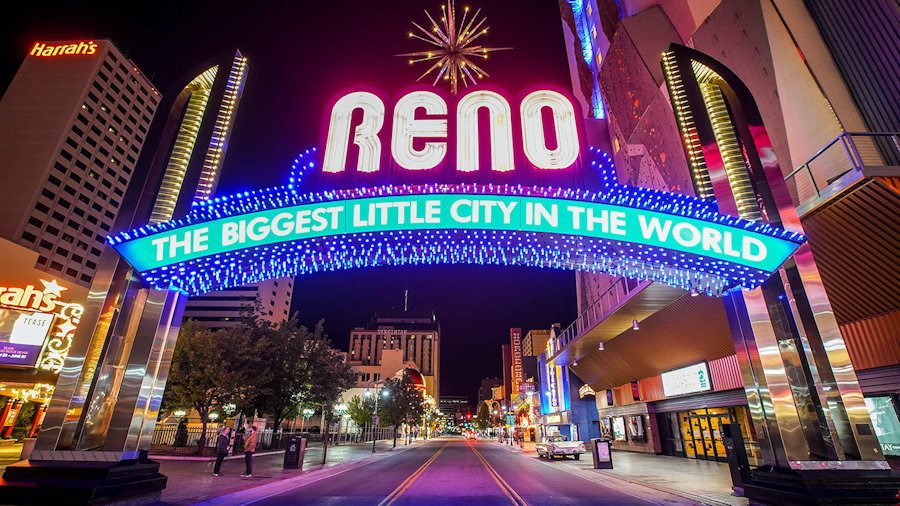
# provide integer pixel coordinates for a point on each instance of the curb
(600, 473)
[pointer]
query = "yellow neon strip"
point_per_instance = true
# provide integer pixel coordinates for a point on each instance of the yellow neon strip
(176, 168)
(685, 120)
(732, 156)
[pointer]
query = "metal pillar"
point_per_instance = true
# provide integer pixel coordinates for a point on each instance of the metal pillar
(109, 391)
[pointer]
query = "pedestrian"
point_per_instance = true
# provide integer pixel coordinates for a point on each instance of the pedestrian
(222, 449)
(249, 449)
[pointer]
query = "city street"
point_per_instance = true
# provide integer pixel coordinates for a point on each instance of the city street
(453, 471)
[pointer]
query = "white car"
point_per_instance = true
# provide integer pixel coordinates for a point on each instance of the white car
(471, 435)
(554, 446)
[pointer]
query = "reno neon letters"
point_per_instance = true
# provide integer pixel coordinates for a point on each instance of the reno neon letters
(434, 135)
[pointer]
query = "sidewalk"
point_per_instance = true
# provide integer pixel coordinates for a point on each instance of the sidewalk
(191, 481)
(696, 480)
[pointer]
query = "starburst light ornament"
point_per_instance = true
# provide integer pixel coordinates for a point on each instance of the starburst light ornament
(454, 47)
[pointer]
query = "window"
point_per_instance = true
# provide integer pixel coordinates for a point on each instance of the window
(28, 237)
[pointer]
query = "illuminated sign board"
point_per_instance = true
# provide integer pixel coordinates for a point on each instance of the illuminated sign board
(22, 336)
(36, 328)
(430, 219)
(44, 50)
(518, 374)
(585, 391)
(687, 380)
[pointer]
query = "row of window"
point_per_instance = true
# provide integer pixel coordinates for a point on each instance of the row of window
(111, 61)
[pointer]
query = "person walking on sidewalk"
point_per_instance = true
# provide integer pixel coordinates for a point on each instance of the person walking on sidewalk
(222, 449)
(249, 450)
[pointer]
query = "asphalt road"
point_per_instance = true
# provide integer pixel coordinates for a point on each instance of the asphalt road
(454, 471)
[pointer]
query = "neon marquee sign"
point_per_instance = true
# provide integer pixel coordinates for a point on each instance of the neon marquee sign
(630, 231)
(45, 50)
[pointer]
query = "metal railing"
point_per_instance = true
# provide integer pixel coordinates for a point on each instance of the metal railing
(167, 441)
(850, 151)
(605, 305)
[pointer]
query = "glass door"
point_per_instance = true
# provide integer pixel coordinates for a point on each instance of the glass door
(673, 421)
(687, 434)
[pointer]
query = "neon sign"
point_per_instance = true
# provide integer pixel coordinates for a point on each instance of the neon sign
(432, 132)
(79, 48)
(36, 328)
(629, 231)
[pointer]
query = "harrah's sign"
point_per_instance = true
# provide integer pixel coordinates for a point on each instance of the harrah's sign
(424, 133)
(79, 48)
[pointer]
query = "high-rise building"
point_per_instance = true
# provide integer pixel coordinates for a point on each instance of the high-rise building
(72, 125)
(417, 333)
(191, 144)
(535, 342)
(225, 308)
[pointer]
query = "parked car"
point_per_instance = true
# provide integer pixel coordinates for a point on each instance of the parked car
(554, 446)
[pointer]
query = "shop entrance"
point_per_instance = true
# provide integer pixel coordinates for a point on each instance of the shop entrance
(697, 434)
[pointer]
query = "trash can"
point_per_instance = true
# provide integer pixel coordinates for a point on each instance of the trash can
(602, 450)
(293, 453)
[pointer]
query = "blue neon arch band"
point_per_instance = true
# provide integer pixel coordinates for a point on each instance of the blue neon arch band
(509, 244)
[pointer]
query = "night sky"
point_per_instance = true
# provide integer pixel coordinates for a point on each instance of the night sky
(300, 55)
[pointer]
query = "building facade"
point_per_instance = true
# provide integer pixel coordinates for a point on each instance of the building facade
(535, 342)
(73, 123)
(271, 300)
(415, 333)
(833, 135)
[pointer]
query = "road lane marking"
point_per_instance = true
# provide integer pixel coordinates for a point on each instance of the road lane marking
(403, 487)
(507, 489)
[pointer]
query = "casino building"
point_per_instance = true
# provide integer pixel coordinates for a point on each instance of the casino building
(72, 125)
(664, 362)
(73, 122)
(416, 333)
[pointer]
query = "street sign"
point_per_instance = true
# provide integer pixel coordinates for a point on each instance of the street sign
(375, 420)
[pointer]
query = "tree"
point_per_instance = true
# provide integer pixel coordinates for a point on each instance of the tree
(301, 368)
(361, 410)
(404, 403)
(284, 381)
(483, 418)
(209, 369)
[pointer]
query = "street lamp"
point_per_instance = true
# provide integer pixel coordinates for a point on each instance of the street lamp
(385, 393)
(306, 414)
(340, 409)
